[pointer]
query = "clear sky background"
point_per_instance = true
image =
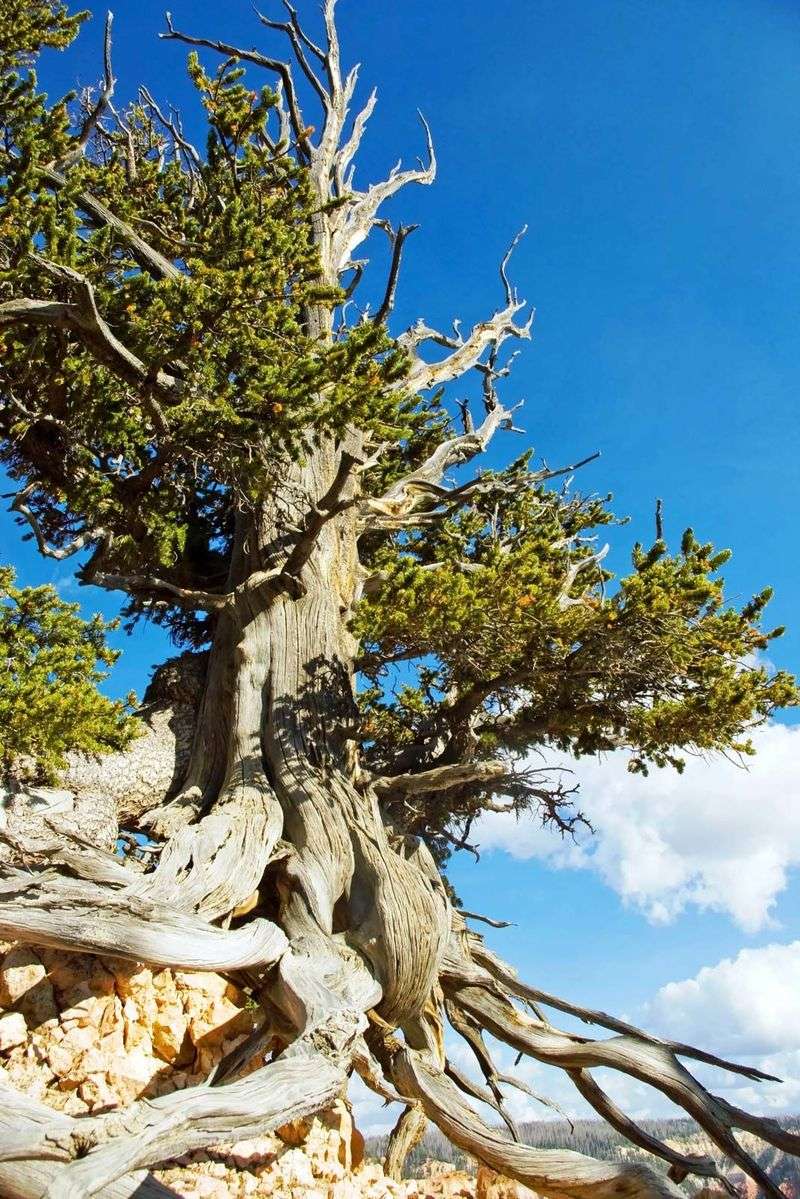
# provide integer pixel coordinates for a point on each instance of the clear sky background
(652, 146)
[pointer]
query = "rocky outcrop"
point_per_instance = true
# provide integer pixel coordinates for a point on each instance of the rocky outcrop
(82, 1035)
(25, 810)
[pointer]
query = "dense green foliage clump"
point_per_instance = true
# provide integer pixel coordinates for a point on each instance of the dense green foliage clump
(512, 635)
(655, 662)
(51, 663)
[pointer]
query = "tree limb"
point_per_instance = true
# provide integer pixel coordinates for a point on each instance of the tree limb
(504, 974)
(147, 257)
(204, 601)
(439, 778)
(77, 543)
(397, 237)
(36, 1130)
(551, 1173)
(466, 352)
(83, 317)
(96, 917)
(103, 102)
(650, 1063)
(281, 69)
(359, 215)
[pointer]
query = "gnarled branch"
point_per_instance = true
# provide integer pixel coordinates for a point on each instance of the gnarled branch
(82, 317)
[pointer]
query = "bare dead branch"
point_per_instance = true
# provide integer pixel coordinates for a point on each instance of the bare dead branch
(439, 778)
(397, 237)
(486, 919)
(102, 103)
(510, 1080)
(405, 1136)
(682, 1164)
(480, 1093)
(349, 150)
(641, 1058)
(102, 917)
(79, 542)
(359, 215)
(205, 601)
(511, 295)
(298, 39)
(466, 352)
(281, 69)
(190, 152)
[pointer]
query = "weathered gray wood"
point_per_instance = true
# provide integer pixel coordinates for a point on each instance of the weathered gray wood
(561, 1174)
(405, 1136)
(651, 1063)
(504, 974)
(73, 914)
(156, 1130)
(273, 801)
(23, 1119)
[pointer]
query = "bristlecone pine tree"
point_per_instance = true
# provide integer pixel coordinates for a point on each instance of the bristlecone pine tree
(49, 702)
(188, 406)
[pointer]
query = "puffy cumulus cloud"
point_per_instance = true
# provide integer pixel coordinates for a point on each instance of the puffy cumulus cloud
(748, 1009)
(718, 836)
(752, 1002)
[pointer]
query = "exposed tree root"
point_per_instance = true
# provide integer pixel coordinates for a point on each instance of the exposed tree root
(476, 1000)
(405, 1136)
(322, 984)
(28, 1173)
(78, 915)
(555, 1173)
(212, 866)
(97, 1151)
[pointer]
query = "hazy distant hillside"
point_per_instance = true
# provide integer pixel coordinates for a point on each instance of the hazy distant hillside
(595, 1138)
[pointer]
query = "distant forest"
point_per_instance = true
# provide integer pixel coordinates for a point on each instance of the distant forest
(595, 1138)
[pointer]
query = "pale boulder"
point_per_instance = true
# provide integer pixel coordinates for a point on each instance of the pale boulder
(24, 985)
(13, 1031)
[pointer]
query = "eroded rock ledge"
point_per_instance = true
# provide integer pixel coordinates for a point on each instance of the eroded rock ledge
(84, 1036)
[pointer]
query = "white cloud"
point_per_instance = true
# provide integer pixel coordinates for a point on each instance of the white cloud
(748, 1009)
(718, 836)
(752, 1002)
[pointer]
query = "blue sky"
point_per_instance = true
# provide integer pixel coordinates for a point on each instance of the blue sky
(652, 148)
